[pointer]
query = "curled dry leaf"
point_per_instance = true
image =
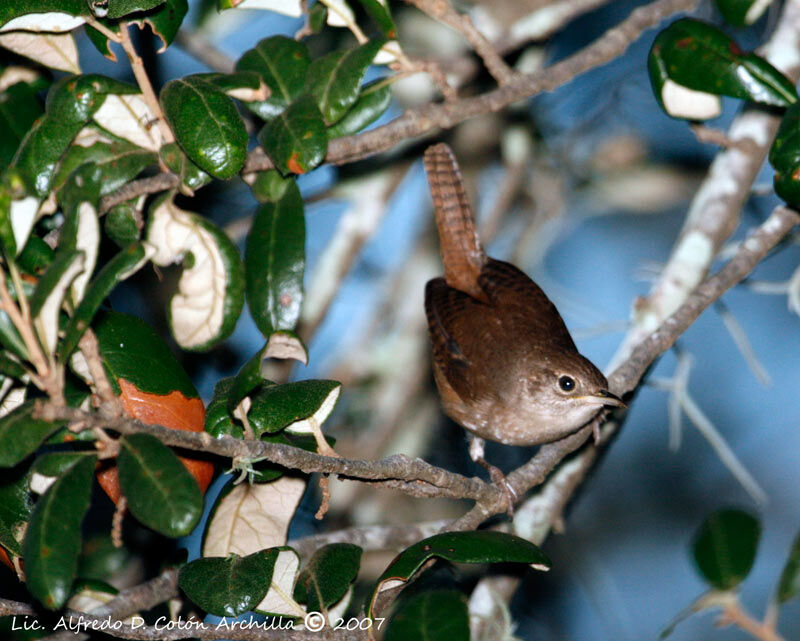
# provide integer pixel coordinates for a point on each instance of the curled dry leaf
(211, 290)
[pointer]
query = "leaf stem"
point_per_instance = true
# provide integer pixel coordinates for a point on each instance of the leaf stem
(143, 80)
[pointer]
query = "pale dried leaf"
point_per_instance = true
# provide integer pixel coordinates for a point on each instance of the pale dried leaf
(57, 51)
(291, 8)
(339, 13)
(308, 425)
(14, 74)
(284, 345)
(253, 517)
(197, 309)
(53, 21)
(23, 215)
(47, 320)
(129, 117)
(88, 241)
(278, 599)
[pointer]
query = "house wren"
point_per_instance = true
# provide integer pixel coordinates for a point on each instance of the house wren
(505, 365)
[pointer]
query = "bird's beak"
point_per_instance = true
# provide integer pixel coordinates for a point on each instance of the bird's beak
(604, 397)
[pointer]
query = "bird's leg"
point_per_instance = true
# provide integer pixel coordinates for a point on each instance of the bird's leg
(476, 451)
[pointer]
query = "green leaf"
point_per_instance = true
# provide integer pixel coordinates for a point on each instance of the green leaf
(228, 587)
(125, 263)
(742, 13)
(15, 507)
(165, 20)
(247, 379)
(120, 8)
(100, 560)
(245, 86)
(784, 156)
(275, 407)
(334, 80)
(317, 16)
(100, 40)
(789, 584)
(210, 293)
(430, 616)
(282, 64)
(71, 102)
(53, 538)
(206, 124)
(219, 421)
(178, 163)
(485, 546)
(374, 99)
(11, 10)
(700, 57)
(55, 464)
(123, 223)
(296, 139)
(150, 366)
(21, 434)
(35, 257)
(327, 576)
(11, 367)
(19, 108)
(161, 492)
(724, 547)
(270, 186)
(275, 259)
(379, 12)
(106, 165)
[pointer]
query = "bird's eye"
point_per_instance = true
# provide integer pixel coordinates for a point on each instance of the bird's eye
(566, 383)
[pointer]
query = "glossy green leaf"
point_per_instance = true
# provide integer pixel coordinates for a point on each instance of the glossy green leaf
(120, 8)
(317, 16)
(275, 261)
(11, 367)
(724, 547)
(125, 263)
(430, 616)
(210, 294)
(132, 350)
(269, 186)
(15, 507)
(11, 10)
(19, 108)
(10, 338)
(206, 124)
(165, 20)
(161, 492)
(248, 378)
(296, 139)
(275, 407)
(35, 257)
(228, 587)
(327, 576)
(700, 57)
(123, 223)
(71, 102)
(54, 464)
(485, 546)
(21, 434)
(742, 13)
(106, 165)
(100, 40)
(191, 175)
(8, 241)
(53, 538)
(282, 64)
(379, 12)
(784, 156)
(245, 86)
(334, 80)
(789, 584)
(219, 420)
(374, 99)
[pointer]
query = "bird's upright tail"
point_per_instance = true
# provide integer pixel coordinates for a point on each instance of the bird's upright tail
(462, 253)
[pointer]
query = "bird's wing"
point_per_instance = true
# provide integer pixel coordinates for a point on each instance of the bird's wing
(526, 310)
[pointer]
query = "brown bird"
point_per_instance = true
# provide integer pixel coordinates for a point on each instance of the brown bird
(505, 365)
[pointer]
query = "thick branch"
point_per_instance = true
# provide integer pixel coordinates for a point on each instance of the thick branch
(416, 122)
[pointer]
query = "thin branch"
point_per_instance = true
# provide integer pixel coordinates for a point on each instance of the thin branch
(143, 80)
(413, 476)
(443, 11)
